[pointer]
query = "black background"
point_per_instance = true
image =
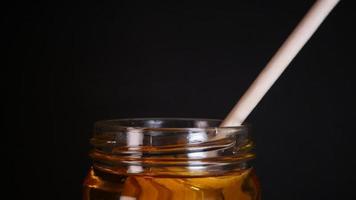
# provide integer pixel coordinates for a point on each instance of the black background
(78, 62)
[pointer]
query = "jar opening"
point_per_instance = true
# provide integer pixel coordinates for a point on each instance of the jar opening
(151, 123)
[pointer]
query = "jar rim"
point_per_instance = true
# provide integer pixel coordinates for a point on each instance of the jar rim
(164, 124)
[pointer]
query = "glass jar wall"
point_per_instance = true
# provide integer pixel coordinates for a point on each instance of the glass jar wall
(170, 159)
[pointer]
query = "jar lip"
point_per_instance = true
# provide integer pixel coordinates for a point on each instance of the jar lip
(163, 123)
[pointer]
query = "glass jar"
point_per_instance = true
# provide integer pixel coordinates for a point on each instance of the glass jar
(170, 158)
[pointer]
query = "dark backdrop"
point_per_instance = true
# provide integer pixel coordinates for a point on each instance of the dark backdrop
(78, 62)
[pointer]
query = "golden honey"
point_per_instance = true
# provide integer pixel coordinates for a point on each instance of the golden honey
(235, 186)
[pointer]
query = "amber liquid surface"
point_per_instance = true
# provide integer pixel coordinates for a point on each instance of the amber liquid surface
(240, 185)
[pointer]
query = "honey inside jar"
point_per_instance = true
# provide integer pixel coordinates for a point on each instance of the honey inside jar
(170, 163)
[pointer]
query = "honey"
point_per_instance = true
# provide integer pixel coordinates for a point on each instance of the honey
(235, 186)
